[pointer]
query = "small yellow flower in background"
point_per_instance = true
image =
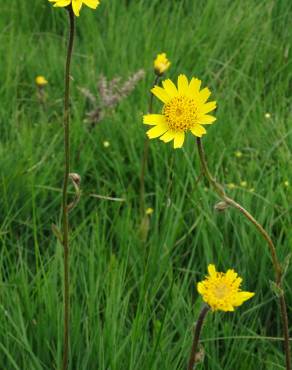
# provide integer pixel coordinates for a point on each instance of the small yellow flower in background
(149, 211)
(41, 81)
(238, 154)
(268, 115)
(106, 144)
(76, 4)
(161, 64)
(286, 183)
(243, 184)
(252, 190)
(221, 291)
(231, 185)
(185, 109)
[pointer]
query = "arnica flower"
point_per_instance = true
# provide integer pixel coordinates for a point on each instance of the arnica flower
(221, 291)
(149, 211)
(185, 108)
(161, 64)
(76, 4)
(41, 81)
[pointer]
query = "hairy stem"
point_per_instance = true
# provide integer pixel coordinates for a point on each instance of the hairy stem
(197, 333)
(145, 156)
(65, 210)
(276, 264)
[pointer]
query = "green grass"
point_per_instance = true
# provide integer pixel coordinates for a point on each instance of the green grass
(134, 303)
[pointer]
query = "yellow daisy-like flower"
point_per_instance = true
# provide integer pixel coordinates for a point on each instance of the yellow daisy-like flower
(41, 81)
(76, 4)
(149, 211)
(185, 108)
(221, 291)
(161, 64)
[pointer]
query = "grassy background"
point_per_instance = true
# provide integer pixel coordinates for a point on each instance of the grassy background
(134, 303)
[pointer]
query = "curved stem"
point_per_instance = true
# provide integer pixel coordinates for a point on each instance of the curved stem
(145, 156)
(65, 210)
(197, 333)
(276, 264)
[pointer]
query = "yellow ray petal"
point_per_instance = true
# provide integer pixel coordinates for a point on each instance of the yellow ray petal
(153, 119)
(170, 88)
(76, 5)
(93, 4)
(179, 139)
(198, 130)
(161, 94)
(168, 136)
(208, 107)
(231, 274)
(212, 270)
(194, 86)
(204, 95)
(206, 119)
(62, 3)
(157, 131)
(200, 288)
(183, 84)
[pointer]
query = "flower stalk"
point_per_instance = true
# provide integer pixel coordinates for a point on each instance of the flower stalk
(146, 154)
(197, 332)
(65, 208)
(276, 264)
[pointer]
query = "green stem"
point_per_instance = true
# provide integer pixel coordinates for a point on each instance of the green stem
(192, 360)
(276, 264)
(65, 211)
(145, 156)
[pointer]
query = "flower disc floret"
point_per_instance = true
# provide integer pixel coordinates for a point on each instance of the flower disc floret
(221, 291)
(180, 113)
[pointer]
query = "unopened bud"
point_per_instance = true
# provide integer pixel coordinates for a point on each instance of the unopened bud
(221, 206)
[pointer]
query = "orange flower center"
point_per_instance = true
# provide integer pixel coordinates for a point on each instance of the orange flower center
(221, 290)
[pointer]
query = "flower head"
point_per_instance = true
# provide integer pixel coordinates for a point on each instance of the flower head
(221, 291)
(161, 64)
(149, 211)
(238, 154)
(40, 81)
(76, 4)
(185, 108)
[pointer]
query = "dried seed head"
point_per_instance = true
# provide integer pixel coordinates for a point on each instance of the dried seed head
(221, 206)
(75, 178)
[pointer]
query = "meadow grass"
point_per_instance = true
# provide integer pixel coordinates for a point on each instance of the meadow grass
(133, 303)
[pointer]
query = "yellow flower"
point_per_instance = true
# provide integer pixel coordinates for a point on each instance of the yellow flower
(106, 144)
(238, 154)
(149, 211)
(40, 81)
(221, 291)
(185, 108)
(231, 185)
(268, 115)
(161, 64)
(243, 184)
(76, 4)
(286, 183)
